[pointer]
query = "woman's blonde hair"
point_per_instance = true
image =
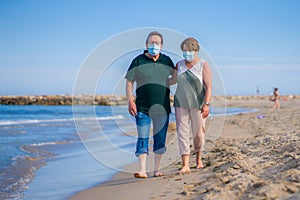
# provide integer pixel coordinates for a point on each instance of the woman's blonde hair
(191, 43)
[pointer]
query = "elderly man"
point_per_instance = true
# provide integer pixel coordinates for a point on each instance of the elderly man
(151, 72)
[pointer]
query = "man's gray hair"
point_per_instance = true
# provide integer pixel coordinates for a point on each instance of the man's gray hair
(155, 33)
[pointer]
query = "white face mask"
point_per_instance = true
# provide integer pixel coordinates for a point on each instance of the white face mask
(153, 49)
(188, 55)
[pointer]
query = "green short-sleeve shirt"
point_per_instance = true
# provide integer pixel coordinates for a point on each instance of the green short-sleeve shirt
(152, 83)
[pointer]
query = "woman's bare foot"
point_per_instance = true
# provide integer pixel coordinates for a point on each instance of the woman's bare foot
(199, 161)
(199, 164)
(185, 164)
(185, 170)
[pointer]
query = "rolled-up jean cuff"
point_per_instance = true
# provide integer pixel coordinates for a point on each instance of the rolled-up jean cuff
(142, 146)
(137, 154)
(161, 150)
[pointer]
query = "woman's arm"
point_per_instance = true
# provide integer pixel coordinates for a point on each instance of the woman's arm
(173, 79)
(207, 81)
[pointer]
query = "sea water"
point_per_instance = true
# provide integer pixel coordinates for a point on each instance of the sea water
(43, 156)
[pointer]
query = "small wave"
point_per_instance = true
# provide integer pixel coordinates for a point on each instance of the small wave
(14, 180)
(47, 143)
(35, 121)
(44, 144)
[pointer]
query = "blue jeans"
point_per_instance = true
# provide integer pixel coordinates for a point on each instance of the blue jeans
(160, 127)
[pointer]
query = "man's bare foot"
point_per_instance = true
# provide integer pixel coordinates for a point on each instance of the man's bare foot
(158, 174)
(140, 175)
(185, 170)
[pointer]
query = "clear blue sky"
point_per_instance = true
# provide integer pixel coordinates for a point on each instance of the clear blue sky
(254, 43)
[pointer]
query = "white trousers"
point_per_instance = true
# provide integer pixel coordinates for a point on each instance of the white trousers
(189, 120)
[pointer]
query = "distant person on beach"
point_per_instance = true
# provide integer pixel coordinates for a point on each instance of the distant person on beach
(275, 98)
(151, 71)
(192, 100)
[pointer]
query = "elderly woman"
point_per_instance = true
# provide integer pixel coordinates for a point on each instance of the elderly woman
(192, 100)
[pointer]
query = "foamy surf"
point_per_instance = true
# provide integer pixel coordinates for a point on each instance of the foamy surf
(35, 121)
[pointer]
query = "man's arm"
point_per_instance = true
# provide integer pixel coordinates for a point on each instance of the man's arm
(131, 103)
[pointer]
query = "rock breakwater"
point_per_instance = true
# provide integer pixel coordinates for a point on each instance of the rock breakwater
(107, 100)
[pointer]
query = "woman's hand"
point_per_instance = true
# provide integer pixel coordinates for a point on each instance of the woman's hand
(205, 111)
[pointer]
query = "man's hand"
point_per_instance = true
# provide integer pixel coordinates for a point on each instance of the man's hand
(132, 107)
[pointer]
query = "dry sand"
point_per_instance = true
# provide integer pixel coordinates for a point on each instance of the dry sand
(255, 158)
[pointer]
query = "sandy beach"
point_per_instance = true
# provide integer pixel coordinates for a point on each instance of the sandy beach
(256, 157)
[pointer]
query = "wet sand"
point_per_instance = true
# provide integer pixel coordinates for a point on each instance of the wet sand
(256, 157)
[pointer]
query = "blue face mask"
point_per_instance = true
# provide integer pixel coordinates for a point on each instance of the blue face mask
(188, 55)
(153, 49)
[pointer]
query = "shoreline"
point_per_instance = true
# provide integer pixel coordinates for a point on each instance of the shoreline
(68, 156)
(47, 136)
(230, 165)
